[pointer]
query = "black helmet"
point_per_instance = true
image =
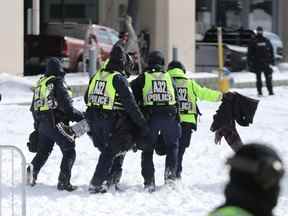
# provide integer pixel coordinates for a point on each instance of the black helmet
(259, 28)
(256, 165)
(176, 64)
(156, 58)
(117, 59)
(54, 67)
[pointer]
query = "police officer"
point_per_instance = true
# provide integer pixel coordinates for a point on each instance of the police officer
(253, 189)
(155, 92)
(189, 92)
(51, 102)
(260, 58)
(111, 109)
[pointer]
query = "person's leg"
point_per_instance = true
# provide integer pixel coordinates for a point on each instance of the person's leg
(67, 147)
(184, 142)
(268, 79)
(171, 134)
(147, 165)
(45, 146)
(148, 170)
(101, 133)
(116, 171)
(259, 82)
(98, 181)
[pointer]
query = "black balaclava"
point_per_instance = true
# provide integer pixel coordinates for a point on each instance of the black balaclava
(255, 174)
(54, 67)
(156, 61)
(176, 64)
(259, 31)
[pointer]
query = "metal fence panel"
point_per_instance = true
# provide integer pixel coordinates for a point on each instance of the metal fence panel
(12, 181)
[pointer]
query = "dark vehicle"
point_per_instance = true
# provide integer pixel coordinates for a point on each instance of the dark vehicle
(68, 41)
(38, 48)
(239, 37)
(235, 44)
(235, 47)
(207, 57)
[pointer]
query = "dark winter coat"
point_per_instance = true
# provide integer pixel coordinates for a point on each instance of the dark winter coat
(234, 107)
(137, 86)
(65, 110)
(121, 86)
(124, 122)
(260, 54)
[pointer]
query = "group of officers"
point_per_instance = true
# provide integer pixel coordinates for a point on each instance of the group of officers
(157, 107)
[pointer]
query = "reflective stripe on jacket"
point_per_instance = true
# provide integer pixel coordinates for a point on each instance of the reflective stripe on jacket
(43, 99)
(189, 91)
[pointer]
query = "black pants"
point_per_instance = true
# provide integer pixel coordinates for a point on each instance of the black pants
(184, 142)
(48, 135)
(112, 136)
(170, 129)
(268, 78)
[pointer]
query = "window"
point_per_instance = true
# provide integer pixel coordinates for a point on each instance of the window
(103, 36)
(261, 14)
(57, 11)
(203, 16)
(229, 13)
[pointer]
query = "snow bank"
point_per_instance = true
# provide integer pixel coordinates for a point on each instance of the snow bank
(15, 89)
(283, 67)
(204, 174)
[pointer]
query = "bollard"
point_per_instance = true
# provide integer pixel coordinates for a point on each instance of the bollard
(175, 53)
(92, 61)
(223, 81)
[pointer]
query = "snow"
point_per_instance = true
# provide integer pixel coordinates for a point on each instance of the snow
(204, 174)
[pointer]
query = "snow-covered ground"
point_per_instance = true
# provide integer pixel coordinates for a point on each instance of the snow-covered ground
(204, 174)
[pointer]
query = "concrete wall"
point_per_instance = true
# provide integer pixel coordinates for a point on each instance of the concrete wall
(171, 24)
(147, 16)
(283, 26)
(109, 12)
(11, 43)
(182, 31)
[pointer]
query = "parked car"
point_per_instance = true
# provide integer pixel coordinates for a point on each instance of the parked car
(68, 41)
(38, 48)
(102, 38)
(93, 35)
(236, 43)
(277, 45)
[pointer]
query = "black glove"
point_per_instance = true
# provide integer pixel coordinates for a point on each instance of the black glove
(32, 144)
(78, 116)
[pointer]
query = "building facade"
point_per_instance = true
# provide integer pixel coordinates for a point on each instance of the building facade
(234, 14)
(173, 26)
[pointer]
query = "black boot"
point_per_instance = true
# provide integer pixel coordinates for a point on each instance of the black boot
(114, 180)
(178, 176)
(94, 189)
(66, 186)
(64, 183)
(149, 185)
(170, 176)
